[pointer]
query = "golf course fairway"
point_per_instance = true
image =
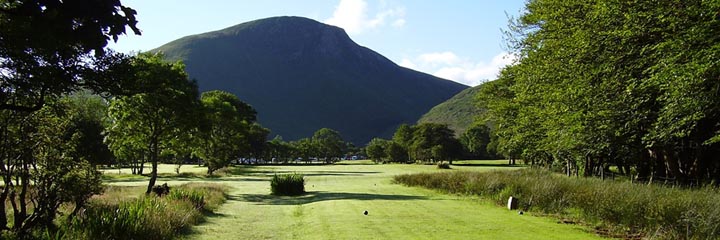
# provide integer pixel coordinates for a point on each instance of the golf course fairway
(339, 194)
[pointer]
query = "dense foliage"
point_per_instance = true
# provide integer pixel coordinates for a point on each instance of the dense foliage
(426, 142)
(632, 84)
(225, 132)
(620, 209)
(48, 146)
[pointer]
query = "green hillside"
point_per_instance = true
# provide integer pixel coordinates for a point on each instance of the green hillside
(458, 112)
(302, 75)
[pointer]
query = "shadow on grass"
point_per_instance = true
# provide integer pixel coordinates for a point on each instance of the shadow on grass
(251, 170)
(185, 179)
(488, 165)
(311, 197)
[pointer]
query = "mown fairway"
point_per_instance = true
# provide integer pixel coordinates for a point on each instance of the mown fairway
(338, 195)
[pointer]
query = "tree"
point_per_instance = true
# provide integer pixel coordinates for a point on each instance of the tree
(168, 105)
(403, 135)
(396, 152)
(329, 144)
(89, 121)
(305, 149)
(42, 168)
(226, 133)
(631, 84)
(47, 49)
(376, 149)
(475, 140)
(47, 46)
(434, 142)
(258, 136)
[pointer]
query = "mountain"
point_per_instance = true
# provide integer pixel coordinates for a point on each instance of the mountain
(458, 112)
(302, 75)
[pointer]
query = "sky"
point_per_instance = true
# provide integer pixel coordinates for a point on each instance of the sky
(459, 40)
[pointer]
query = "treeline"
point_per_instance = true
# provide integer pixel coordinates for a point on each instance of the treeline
(430, 143)
(631, 84)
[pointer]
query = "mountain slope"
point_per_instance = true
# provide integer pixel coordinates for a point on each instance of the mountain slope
(302, 75)
(458, 112)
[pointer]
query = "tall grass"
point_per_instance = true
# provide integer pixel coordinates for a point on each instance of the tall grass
(146, 217)
(287, 184)
(651, 211)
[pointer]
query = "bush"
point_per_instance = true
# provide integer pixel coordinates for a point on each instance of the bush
(626, 208)
(146, 217)
(443, 165)
(287, 185)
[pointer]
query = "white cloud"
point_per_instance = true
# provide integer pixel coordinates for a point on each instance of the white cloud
(449, 66)
(399, 23)
(439, 58)
(408, 63)
(352, 15)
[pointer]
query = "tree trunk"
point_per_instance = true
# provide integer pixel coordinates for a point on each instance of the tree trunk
(3, 198)
(154, 161)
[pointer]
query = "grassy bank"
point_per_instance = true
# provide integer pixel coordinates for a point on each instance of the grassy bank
(125, 213)
(631, 210)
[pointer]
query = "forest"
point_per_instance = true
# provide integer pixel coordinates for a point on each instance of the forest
(629, 86)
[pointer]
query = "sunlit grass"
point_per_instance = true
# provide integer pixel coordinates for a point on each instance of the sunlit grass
(337, 196)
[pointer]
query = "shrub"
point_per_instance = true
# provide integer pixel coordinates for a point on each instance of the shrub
(287, 184)
(658, 211)
(443, 165)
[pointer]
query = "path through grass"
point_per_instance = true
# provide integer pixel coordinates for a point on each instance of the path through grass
(338, 195)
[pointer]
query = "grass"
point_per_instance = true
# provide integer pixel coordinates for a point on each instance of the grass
(616, 208)
(337, 196)
(115, 215)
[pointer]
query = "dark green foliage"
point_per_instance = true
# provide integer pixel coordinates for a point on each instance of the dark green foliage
(287, 184)
(225, 129)
(433, 142)
(632, 84)
(47, 46)
(302, 75)
(89, 121)
(329, 144)
(657, 211)
(396, 153)
(376, 149)
(458, 112)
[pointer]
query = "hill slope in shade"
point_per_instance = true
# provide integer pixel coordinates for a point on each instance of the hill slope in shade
(458, 112)
(302, 75)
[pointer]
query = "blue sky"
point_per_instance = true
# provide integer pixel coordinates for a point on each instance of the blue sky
(457, 40)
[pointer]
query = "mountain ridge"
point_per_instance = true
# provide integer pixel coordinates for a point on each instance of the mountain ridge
(302, 75)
